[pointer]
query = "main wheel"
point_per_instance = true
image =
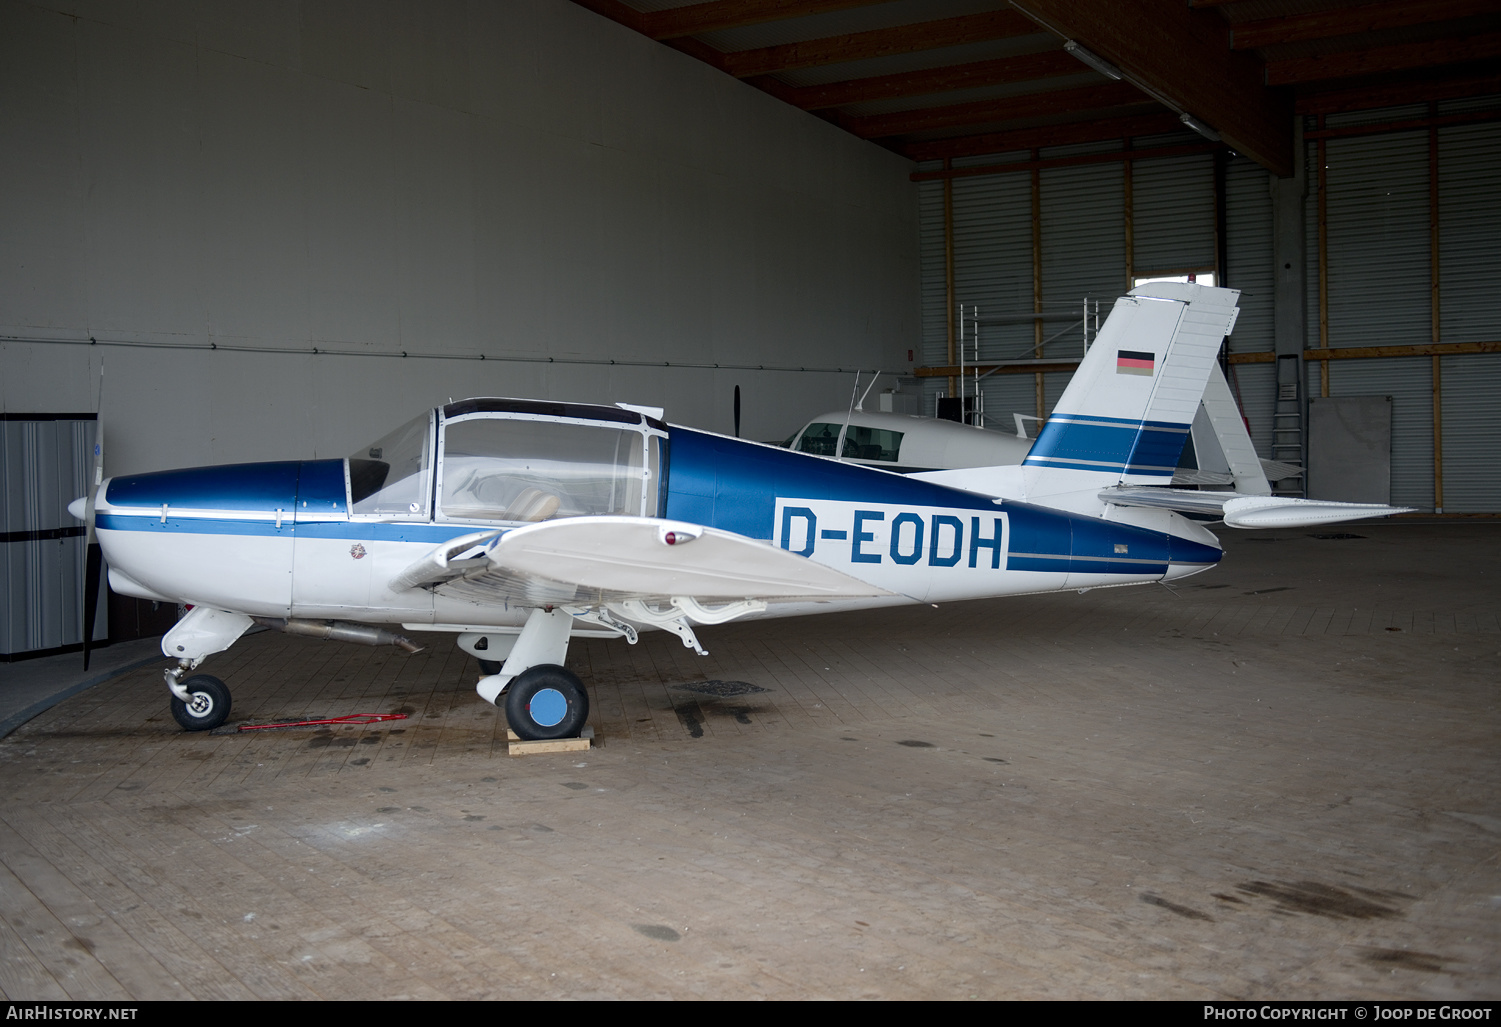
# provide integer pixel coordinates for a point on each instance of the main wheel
(547, 702)
(208, 706)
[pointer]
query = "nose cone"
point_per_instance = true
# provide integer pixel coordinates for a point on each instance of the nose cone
(79, 508)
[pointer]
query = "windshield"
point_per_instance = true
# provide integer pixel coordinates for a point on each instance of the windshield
(392, 475)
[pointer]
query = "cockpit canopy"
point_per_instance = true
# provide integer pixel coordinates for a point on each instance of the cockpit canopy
(515, 461)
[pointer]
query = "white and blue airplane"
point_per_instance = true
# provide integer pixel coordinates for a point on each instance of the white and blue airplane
(519, 524)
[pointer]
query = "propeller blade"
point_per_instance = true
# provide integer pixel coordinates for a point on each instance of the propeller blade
(93, 569)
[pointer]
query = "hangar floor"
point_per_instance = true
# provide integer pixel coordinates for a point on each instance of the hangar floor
(1281, 782)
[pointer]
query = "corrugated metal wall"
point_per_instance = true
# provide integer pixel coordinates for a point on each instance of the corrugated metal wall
(1377, 272)
(1472, 432)
(1469, 173)
(1378, 239)
(44, 466)
(1248, 267)
(993, 273)
(1173, 214)
(934, 350)
(1409, 381)
(1083, 251)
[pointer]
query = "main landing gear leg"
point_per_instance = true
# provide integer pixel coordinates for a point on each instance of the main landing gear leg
(543, 699)
(200, 703)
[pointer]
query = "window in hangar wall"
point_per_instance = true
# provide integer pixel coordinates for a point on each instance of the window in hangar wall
(1386, 312)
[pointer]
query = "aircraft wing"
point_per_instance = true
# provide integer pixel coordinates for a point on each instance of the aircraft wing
(591, 561)
(1242, 511)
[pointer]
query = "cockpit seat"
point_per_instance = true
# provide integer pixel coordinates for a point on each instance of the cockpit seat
(532, 505)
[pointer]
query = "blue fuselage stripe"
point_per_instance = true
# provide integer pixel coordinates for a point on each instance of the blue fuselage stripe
(1136, 447)
(361, 531)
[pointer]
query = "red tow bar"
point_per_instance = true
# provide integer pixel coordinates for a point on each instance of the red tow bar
(353, 718)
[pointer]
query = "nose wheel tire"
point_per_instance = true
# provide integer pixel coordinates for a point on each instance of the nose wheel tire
(546, 702)
(208, 704)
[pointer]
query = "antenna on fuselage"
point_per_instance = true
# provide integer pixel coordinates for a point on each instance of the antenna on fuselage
(855, 405)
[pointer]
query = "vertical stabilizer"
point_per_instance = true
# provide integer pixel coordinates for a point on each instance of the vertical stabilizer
(1125, 415)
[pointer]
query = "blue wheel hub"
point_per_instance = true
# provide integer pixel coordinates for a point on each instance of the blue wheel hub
(548, 707)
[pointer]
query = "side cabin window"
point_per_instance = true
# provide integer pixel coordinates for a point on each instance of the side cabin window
(528, 470)
(860, 443)
(820, 439)
(872, 444)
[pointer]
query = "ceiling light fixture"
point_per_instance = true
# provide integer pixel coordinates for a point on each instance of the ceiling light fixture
(1094, 60)
(1199, 127)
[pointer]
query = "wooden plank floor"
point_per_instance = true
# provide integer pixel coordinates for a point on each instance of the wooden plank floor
(1283, 781)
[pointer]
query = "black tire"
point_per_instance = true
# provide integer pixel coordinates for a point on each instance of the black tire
(561, 704)
(488, 667)
(210, 706)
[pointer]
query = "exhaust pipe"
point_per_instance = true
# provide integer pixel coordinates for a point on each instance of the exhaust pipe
(339, 631)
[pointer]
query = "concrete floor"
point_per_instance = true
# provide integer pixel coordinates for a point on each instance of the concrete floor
(1281, 782)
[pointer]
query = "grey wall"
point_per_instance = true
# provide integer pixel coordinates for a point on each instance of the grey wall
(516, 178)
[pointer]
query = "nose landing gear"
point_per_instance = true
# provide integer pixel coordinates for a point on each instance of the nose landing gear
(206, 706)
(200, 703)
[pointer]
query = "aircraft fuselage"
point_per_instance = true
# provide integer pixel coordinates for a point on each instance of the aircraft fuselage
(279, 539)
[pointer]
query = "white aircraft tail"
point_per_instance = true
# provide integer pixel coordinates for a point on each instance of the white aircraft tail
(1127, 412)
(1114, 440)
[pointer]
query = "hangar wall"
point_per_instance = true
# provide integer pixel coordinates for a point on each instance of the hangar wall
(1399, 262)
(521, 180)
(1100, 221)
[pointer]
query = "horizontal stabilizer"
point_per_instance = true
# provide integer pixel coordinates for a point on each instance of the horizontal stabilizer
(1239, 511)
(1276, 470)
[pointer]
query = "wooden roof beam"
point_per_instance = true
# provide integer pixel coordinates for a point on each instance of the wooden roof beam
(1384, 59)
(1010, 108)
(859, 46)
(1395, 90)
(1181, 56)
(1348, 21)
(1092, 130)
(1073, 160)
(615, 11)
(1028, 68)
(676, 22)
